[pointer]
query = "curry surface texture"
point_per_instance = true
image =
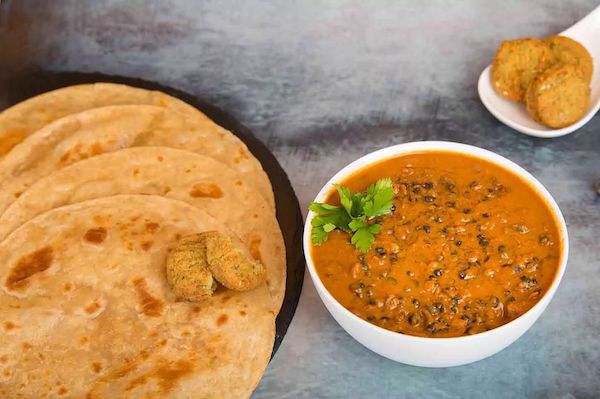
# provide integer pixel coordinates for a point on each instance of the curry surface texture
(469, 247)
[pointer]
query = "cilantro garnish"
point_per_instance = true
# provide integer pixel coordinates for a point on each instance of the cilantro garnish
(356, 214)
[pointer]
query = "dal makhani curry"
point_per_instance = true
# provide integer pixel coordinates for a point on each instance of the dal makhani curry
(465, 246)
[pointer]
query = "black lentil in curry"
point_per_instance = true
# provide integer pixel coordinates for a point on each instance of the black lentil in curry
(468, 247)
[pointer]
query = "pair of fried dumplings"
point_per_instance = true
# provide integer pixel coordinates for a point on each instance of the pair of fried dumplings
(198, 261)
(551, 76)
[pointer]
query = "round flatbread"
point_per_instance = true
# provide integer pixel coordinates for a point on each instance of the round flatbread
(101, 130)
(198, 180)
(565, 50)
(23, 119)
(516, 64)
(87, 310)
(559, 96)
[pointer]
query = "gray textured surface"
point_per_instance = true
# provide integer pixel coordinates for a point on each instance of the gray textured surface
(322, 83)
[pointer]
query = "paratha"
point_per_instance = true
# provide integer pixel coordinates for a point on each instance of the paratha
(182, 175)
(87, 311)
(106, 129)
(24, 118)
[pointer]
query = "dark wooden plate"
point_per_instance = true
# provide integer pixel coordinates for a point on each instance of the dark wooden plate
(289, 216)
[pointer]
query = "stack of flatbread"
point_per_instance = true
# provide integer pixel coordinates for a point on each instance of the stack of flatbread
(97, 184)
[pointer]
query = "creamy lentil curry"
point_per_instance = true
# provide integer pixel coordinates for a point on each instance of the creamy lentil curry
(468, 247)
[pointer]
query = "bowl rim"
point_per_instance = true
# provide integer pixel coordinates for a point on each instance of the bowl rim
(439, 146)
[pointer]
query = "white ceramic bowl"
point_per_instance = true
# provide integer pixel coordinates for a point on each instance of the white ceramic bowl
(435, 352)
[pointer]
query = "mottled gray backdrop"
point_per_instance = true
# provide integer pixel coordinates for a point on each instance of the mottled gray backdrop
(324, 82)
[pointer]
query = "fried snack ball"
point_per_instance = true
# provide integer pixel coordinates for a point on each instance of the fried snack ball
(559, 96)
(531, 103)
(230, 264)
(564, 50)
(516, 64)
(187, 270)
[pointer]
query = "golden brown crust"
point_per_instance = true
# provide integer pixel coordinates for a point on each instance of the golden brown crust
(559, 96)
(516, 64)
(568, 51)
(187, 271)
(200, 260)
(531, 103)
(230, 264)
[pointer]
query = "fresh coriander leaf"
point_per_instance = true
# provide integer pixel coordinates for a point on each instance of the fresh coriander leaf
(340, 221)
(329, 227)
(375, 228)
(379, 199)
(319, 235)
(357, 223)
(354, 215)
(329, 214)
(364, 237)
(323, 208)
(346, 198)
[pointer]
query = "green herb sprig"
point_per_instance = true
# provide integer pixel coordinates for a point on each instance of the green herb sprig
(356, 214)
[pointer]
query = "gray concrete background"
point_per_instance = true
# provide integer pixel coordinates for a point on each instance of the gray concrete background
(322, 83)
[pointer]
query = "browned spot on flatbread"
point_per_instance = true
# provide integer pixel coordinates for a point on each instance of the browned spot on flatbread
(96, 367)
(123, 371)
(167, 190)
(242, 313)
(96, 235)
(238, 183)
(151, 227)
(28, 266)
(6, 372)
(92, 308)
(135, 172)
(242, 156)
(144, 354)
(255, 249)
(10, 138)
(222, 319)
(225, 298)
(160, 158)
(166, 374)
(146, 245)
(83, 340)
(73, 154)
(67, 287)
(26, 345)
(206, 190)
(3, 359)
(62, 391)
(9, 325)
(150, 305)
(136, 382)
(17, 194)
(143, 138)
(96, 149)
